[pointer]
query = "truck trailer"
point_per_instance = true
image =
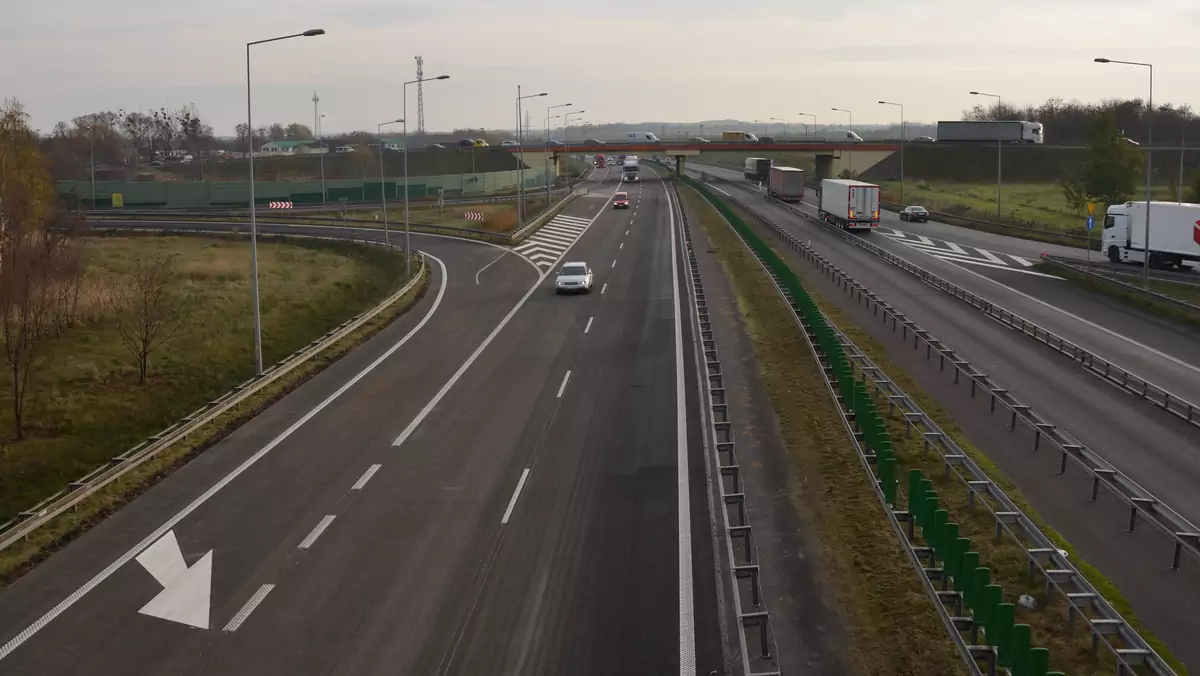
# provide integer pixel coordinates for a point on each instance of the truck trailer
(1174, 233)
(786, 184)
(757, 168)
(1002, 131)
(850, 205)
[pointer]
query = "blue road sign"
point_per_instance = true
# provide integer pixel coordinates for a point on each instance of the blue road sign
(1091, 223)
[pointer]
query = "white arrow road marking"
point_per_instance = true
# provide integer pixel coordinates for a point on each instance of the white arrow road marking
(187, 592)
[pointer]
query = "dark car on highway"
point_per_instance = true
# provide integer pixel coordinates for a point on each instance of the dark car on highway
(914, 214)
(467, 143)
(766, 139)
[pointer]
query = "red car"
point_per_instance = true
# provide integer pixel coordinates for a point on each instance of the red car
(621, 200)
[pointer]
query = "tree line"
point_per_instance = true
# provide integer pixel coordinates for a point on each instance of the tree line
(43, 274)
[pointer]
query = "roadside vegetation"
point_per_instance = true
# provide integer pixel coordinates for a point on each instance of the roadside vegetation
(1189, 293)
(1070, 647)
(893, 625)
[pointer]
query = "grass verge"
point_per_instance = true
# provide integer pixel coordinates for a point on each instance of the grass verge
(1146, 303)
(1070, 650)
(22, 557)
(893, 625)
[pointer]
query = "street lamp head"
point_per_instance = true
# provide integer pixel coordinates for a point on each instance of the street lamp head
(1101, 60)
(884, 102)
(313, 32)
(542, 94)
(442, 77)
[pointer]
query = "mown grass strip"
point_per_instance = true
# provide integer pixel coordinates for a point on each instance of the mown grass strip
(20, 558)
(1070, 651)
(893, 626)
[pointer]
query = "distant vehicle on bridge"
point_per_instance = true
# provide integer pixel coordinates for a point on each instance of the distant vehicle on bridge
(698, 139)
(593, 142)
(786, 184)
(739, 136)
(839, 136)
(1002, 131)
(642, 137)
(848, 204)
(756, 168)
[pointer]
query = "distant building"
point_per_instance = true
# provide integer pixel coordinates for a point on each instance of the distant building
(293, 148)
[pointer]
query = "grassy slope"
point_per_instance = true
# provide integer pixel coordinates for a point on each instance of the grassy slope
(893, 626)
(89, 406)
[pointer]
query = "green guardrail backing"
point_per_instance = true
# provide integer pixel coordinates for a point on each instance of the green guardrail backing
(961, 565)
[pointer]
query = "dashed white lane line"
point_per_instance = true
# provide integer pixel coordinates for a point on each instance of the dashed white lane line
(589, 325)
(626, 232)
(563, 388)
(316, 532)
(622, 246)
(604, 288)
(516, 494)
(362, 480)
(249, 607)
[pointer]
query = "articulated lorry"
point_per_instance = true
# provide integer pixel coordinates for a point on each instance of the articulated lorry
(786, 184)
(850, 205)
(756, 168)
(1174, 233)
(1003, 131)
(629, 170)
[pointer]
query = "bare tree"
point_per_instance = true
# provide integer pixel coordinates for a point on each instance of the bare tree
(149, 308)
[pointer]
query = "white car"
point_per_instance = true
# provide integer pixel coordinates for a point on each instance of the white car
(574, 277)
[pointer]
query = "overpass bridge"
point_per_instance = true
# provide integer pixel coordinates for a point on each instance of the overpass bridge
(831, 157)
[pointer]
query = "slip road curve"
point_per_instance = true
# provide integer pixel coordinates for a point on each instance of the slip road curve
(444, 499)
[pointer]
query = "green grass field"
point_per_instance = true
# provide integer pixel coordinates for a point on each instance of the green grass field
(87, 405)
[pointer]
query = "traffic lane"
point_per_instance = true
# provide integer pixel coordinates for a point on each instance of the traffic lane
(1161, 356)
(585, 580)
(1151, 446)
(936, 229)
(372, 591)
(258, 519)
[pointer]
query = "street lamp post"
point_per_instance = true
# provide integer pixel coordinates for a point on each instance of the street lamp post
(258, 365)
(780, 119)
(903, 138)
(547, 165)
(999, 149)
(382, 190)
(321, 153)
(521, 149)
(814, 122)
(404, 118)
(567, 136)
(847, 112)
(1149, 165)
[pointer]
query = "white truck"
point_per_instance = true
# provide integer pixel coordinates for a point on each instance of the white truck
(786, 184)
(983, 131)
(642, 137)
(629, 169)
(1174, 233)
(848, 204)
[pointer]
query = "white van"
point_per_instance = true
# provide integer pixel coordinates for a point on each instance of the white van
(642, 137)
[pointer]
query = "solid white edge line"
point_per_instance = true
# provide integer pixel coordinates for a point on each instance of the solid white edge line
(687, 620)
(563, 387)
(311, 539)
(437, 398)
(362, 480)
(170, 523)
(516, 494)
(496, 260)
(589, 325)
(253, 603)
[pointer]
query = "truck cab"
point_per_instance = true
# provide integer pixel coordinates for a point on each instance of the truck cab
(1174, 233)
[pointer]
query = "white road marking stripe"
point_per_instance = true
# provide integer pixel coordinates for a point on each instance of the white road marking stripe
(557, 234)
(563, 388)
(894, 232)
(925, 240)
(621, 246)
(516, 494)
(488, 266)
(604, 288)
(589, 325)
(976, 261)
(990, 256)
(956, 248)
(316, 532)
(249, 607)
(614, 263)
(362, 480)
(626, 232)
(570, 219)
(1027, 263)
(170, 523)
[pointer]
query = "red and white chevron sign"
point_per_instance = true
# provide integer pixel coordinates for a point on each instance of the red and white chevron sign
(473, 216)
(281, 205)
(1196, 232)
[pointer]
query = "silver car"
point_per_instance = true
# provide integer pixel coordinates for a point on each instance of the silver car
(573, 277)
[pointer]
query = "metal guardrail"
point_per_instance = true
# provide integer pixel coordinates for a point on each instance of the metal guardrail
(1042, 554)
(754, 623)
(31, 519)
(1086, 270)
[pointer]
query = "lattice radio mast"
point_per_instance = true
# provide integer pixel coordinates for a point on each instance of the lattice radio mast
(420, 96)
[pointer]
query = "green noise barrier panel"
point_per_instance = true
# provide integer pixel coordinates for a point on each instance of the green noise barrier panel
(984, 600)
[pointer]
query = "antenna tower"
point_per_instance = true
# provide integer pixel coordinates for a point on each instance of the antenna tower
(420, 96)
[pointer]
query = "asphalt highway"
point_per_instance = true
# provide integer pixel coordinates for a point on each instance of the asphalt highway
(1154, 448)
(504, 481)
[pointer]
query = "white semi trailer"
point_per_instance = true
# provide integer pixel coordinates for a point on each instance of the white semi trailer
(1174, 233)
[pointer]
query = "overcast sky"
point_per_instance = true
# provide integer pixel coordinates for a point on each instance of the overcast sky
(664, 60)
